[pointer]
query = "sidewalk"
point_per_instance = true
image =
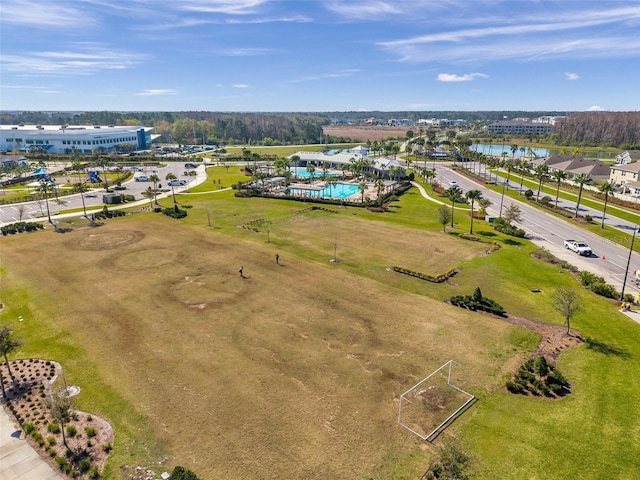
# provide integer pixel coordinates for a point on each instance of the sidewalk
(18, 460)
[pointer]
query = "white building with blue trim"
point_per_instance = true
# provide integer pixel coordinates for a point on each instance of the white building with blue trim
(69, 139)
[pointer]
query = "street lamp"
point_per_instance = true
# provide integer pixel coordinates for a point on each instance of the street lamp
(626, 272)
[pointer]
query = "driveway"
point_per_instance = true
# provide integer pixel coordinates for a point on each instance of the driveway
(18, 460)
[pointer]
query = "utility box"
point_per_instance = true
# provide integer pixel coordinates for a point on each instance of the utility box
(112, 198)
(490, 219)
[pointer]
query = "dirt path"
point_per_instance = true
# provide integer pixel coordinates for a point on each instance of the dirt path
(555, 338)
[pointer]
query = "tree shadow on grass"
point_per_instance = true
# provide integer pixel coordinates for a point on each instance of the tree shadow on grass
(486, 234)
(601, 347)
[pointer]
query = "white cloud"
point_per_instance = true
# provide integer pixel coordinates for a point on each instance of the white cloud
(370, 9)
(229, 7)
(87, 59)
(244, 52)
(530, 37)
(311, 78)
(41, 14)
(467, 77)
(149, 92)
(240, 85)
(571, 76)
(595, 108)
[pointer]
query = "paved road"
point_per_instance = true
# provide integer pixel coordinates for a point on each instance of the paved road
(609, 259)
(37, 210)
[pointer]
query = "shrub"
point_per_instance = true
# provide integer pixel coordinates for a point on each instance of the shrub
(53, 428)
(107, 447)
(181, 473)
(94, 473)
(61, 461)
(84, 465)
(28, 427)
(71, 431)
(51, 440)
(604, 290)
(52, 452)
(528, 194)
(90, 431)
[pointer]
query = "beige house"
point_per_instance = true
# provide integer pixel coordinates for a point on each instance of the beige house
(574, 165)
(627, 176)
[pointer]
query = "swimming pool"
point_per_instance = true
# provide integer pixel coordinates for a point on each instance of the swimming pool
(339, 190)
(302, 172)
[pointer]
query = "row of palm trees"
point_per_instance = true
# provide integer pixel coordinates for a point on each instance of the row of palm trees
(455, 194)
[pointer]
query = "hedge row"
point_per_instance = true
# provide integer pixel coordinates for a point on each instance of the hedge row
(423, 276)
(20, 227)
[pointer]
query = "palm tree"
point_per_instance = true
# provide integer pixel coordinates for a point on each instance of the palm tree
(150, 194)
(558, 176)
(77, 167)
(455, 195)
(331, 181)
(379, 184)
(607, 188)
(44, 188)
(580, 180)
(542, 172)
(170, 176)
(362, 186)
(155, 179)
(7, 346)
(103, 162)
(311, 169)
(473, 195)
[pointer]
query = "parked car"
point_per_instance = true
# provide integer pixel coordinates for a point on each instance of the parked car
(578, 246)
(177, 183)
(142, 178)
(190, 165)
(135, 169)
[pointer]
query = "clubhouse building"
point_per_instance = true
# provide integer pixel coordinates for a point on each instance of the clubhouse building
(69, 139)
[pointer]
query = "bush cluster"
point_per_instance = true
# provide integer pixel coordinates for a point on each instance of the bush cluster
(20, 227)
(423, 276)
(538, 377)
(503, 226)
(174, 212)
(546, 256)
(181, 473)
(478, 302)
(597, 285)
(106, 213)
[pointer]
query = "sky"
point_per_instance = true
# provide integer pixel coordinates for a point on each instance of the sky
(319, 55)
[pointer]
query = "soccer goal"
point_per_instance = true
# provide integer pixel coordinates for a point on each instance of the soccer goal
(427, 407)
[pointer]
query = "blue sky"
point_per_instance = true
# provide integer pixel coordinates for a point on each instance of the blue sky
(319, 55)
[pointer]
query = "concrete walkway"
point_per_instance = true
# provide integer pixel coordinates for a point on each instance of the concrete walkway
(18, 460)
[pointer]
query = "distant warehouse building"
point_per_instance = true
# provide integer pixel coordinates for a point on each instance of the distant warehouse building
(74, 139)
(520, 127)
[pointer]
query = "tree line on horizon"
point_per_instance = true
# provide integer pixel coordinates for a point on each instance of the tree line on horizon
(615, 129)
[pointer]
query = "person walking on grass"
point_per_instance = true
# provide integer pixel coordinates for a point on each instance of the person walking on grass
(277, 259)
(241, 272)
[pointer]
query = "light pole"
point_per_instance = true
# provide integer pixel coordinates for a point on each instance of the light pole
(626, 272)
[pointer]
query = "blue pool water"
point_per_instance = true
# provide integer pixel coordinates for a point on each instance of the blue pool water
(302, 172)
(339, 190)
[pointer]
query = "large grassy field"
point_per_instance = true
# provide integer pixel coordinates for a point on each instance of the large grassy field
(296, 370)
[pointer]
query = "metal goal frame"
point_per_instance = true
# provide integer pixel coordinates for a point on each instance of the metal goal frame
(404, 398)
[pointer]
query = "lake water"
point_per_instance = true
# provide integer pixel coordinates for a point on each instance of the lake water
(497, 149)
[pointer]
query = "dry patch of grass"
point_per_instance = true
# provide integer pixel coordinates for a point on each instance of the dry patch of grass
(292, 372)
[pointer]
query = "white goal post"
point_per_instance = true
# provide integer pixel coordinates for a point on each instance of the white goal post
(426, 395)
